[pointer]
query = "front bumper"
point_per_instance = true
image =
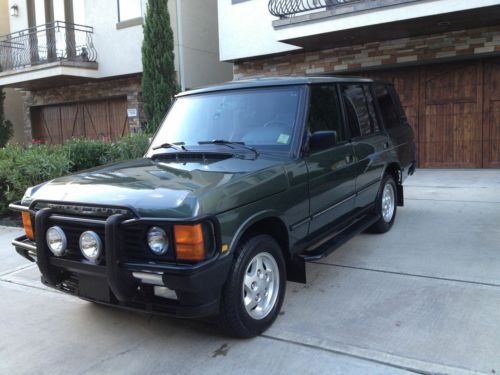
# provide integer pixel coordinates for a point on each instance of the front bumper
(128, 284)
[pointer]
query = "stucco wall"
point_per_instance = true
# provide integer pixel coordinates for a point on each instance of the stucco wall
(119, 49)
(4, 17)
(201, 44)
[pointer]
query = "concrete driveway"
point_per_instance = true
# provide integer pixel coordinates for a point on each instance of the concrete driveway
(423, 298)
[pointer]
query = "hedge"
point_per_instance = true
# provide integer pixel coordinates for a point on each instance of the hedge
(25, 166)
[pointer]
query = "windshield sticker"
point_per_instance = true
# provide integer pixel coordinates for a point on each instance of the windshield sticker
(283, 139)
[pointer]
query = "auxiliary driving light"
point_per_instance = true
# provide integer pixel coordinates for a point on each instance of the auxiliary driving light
(91, 246)
(157, 240)
(56, 241)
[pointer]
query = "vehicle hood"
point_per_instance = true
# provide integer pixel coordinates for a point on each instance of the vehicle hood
(169, 188)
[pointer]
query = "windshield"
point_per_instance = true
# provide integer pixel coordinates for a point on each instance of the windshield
(263, 118)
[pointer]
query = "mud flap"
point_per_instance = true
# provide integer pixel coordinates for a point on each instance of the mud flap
(401, 199)
(296, 270)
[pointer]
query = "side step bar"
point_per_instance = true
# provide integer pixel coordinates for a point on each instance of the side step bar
(330, 245)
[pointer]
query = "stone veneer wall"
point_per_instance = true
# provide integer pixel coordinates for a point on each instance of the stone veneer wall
(94, 90)
(406, 51)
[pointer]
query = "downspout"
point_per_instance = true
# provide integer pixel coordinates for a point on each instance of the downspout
(180, 43)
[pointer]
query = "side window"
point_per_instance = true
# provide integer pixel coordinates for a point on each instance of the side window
(357, 110)
(324, 111)
(388, 109)
(371, 110)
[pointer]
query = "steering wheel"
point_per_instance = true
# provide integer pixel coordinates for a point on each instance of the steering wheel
(274, 123)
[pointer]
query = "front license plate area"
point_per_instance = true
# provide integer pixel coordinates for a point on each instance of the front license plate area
(94, 288)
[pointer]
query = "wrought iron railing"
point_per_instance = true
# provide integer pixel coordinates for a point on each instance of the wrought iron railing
(288, 8)
(55, 41)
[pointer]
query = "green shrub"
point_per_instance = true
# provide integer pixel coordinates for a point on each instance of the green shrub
(159, 82)
(25, 166)
(6, 132)
(85, 153)
(130, 147)
(22, 167)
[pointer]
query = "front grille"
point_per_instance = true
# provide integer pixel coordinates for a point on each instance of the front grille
(132, 238)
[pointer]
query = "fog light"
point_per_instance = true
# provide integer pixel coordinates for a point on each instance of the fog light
(91, 246)
(157, 240)
(56, 241)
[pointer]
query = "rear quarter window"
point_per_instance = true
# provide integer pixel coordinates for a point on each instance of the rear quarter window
(360, 110)
(388, 106)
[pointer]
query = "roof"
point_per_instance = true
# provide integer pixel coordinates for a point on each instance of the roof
(273, 81)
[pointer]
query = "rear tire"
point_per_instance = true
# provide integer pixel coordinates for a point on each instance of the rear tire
(385, 205)
(253, 293)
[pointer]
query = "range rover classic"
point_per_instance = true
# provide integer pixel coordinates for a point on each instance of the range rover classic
(242, 184)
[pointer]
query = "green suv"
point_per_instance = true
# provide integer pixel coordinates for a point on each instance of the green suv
(242, 184)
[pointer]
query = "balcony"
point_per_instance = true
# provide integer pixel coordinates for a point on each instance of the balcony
(291, 8)
(321, 24)
(31, 57)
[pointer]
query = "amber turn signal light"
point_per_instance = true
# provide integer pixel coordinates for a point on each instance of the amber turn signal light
(189, 243)
(28, 226)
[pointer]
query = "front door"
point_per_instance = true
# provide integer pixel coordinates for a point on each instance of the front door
(332, 171)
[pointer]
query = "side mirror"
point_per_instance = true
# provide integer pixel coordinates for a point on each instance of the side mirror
(150, 139)
(322, 140)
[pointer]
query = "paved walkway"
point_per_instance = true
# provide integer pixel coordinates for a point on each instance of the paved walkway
(423, 298)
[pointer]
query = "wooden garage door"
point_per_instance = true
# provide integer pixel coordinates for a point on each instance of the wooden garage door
(105, 119)
(491, 131)
(450, 131)
(454, 109)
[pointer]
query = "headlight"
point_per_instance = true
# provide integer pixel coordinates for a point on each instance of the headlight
(157, 240)
(91, 245)
(56, 241)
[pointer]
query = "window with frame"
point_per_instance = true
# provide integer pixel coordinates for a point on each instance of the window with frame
(371, 110)
(360, 110)
(324, 111)
(129, 9)
(387, 106)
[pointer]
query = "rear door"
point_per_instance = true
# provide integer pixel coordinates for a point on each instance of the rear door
(367, 139)
(332, 172)
(395, 123)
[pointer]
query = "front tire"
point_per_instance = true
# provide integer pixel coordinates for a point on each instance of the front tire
(253, 293)
(386, 205)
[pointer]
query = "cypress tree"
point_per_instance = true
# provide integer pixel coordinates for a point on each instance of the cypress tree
(6, 130)
(158, 78)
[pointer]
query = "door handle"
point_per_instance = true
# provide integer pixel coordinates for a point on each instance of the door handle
(386, 145)
(349, 159)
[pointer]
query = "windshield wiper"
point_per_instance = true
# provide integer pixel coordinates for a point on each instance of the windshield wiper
(179, 146)
(230, 144)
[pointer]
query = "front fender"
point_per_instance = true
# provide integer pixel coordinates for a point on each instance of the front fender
(236, 222)
(251, 221)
